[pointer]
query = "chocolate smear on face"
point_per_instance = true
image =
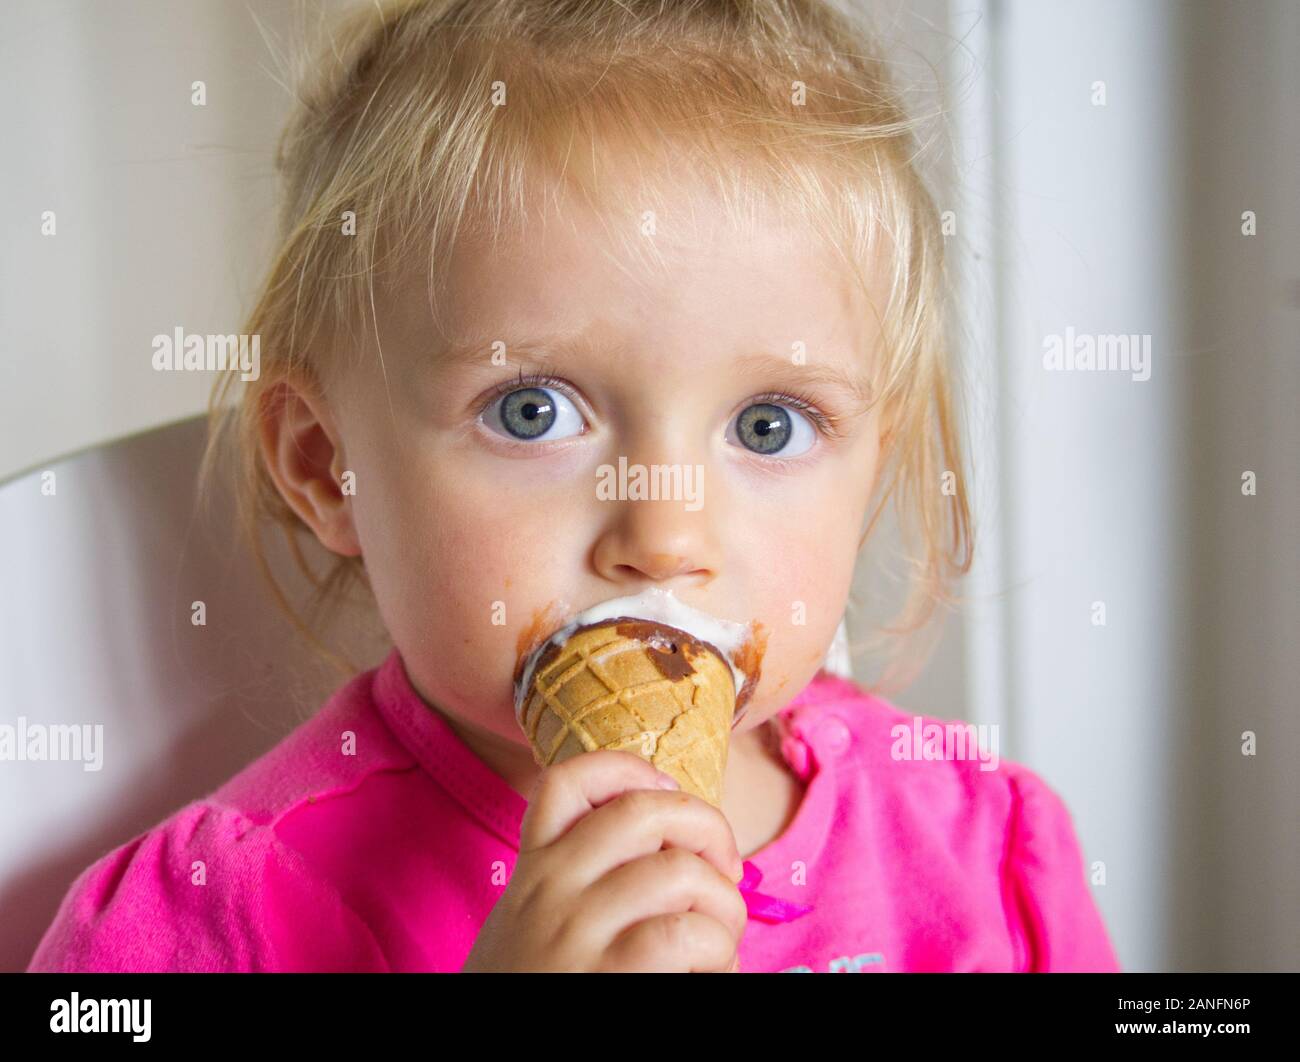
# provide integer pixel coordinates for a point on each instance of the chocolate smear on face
(749, 658)
(533, 635)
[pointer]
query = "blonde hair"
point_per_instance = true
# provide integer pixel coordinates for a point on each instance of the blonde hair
(399, 120)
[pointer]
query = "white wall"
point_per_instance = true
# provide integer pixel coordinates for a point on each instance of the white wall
(1090, 474)
(1126, 218)
(163, 209)
(1235, 879)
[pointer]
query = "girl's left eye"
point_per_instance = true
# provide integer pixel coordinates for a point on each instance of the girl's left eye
(532, 412)
(768, 429)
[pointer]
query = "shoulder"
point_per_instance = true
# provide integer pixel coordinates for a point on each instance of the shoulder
(343, 743)
(945, 791)
(947, 764)
(214, 887)
(206, 890)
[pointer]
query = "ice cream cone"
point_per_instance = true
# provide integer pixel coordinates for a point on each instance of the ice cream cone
(640, 686)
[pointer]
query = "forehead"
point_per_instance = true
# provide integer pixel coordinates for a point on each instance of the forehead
(678, 272)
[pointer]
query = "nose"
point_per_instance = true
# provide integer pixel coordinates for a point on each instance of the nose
(656, 540)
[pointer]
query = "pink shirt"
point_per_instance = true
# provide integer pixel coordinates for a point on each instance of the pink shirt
(387, 850)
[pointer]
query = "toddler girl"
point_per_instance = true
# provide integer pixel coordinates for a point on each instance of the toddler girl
(525, 243)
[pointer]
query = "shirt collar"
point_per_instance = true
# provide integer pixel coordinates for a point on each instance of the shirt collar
(489, 799)
(483, 793)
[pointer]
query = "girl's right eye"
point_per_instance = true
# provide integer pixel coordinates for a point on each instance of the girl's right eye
(531, 413)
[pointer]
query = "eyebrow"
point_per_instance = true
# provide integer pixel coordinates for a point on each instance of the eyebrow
(858, 387)
(543, 348)
(479, 349)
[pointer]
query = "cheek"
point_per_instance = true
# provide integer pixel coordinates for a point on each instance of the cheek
(427, 521)
(797, 547)
(803, 605)
(460, 567)
(801, 571)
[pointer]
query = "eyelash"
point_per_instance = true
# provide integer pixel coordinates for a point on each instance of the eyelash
(531, 379)
(827, 424)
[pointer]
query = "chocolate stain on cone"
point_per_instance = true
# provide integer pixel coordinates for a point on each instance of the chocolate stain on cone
(670, 649)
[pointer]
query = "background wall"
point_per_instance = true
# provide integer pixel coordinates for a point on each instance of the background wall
(163, 208)
(1122, 218)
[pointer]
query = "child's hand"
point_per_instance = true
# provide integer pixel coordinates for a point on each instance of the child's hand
(592, 891)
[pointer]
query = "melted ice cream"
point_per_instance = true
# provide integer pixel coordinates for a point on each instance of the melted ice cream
(658, 606)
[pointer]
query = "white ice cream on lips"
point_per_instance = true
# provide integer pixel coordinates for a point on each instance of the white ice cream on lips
(659, 606)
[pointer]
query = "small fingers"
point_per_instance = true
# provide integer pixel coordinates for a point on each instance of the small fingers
(667, 881)
(681, 942)
(566, 792)
(640, 823)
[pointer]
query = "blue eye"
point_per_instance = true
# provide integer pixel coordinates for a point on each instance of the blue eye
(768, 429)
(532, 412)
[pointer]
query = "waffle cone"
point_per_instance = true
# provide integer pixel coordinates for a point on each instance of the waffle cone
(643, 688)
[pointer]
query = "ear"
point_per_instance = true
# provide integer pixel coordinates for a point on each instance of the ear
(303, 451)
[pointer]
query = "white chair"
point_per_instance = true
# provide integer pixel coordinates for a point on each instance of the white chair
(95, 618)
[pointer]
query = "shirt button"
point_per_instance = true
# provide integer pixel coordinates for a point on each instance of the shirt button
(834, 733)
(795, 751)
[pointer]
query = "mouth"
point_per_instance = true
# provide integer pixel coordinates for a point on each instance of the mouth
(673, 630)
